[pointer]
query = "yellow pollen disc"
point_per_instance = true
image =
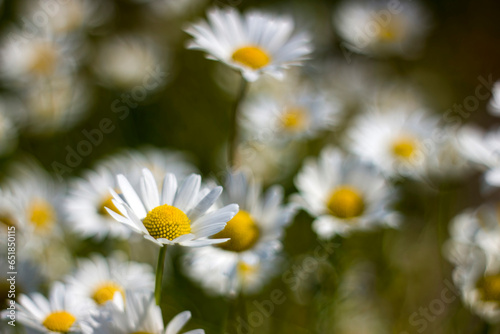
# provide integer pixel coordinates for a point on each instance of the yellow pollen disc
(294, 119)
(107, 203)
(45, 59)
(59, 321)
(105, 293)
(246, 269)
(404, 148)
(167, 222)
(242, 230)
(41, 214)
(489, 287)
(251, 56)
(346, 202)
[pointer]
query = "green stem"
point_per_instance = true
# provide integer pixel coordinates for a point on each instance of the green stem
(233, 129)
(159, 274)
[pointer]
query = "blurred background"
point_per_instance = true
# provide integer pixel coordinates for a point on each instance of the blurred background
(371, 282)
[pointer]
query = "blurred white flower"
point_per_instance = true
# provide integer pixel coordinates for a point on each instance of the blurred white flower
(27, 57)
(100, 280)
(253, 44)
(484, 150)
(130, 61)
(63, 17)
(141, 315)
(248, 260)
(344, 195)
(300, 114)
(55, 104)
(178, 215)
(494, 104)
(395, 141)
(382, 27)
(60, 313)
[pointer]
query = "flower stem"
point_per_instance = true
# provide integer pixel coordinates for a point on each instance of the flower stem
(159, 274)
(233, 130)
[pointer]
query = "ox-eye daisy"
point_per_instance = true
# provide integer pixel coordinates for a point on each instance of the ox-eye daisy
(60, 313)
(483, 149)
(381, 27)
(302, 114)
(247, 260)
(344, 195)
(141, 315)
(99, 280)
(254, 44)
(177, 215)
(394, 141)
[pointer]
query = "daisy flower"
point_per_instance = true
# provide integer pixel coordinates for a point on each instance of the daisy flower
(131, 60)
(300, 115)
(55, 104)
(494, 104)
(381, 28)
(36, 199)
(343, 195)
(394, 141)
(254, 44)
(141, 315)
(248, 260)
(484, 150)
(71, 16)
(86, 205)
(41, 56)
(99, 280)
(60, 313)
(177, 215)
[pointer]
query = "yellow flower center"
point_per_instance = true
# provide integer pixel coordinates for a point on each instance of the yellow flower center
(59, 321)
(294, 119)
(41, 214)
(251, 56)
(243, 232)
(489, 287)
(107, 203)
(246, 269)
(346, 202)
(167, 222)
(106, 291)
(44, 61)
(404, 148)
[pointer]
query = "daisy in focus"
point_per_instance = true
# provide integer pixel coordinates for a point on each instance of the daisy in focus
(180, 214)
(60, 313)
(394, 141)
(253, 44)
(249, 259)
(300, 115)
(343, 195)
(382, 28)
(484, 150)
(141, 316)
(100, 280)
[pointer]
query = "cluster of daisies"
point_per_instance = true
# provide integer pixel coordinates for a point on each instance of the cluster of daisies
(371, 136)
